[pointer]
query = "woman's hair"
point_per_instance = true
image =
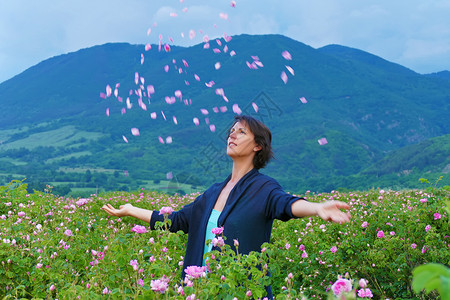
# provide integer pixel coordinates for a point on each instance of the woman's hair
(263, 137)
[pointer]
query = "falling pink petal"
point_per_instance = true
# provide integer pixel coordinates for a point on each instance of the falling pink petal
(210, 84)
(223, 109)
(161, 140)
(125, 139)
(182, 35)
(223, 16)
(207, 121)
(303, 100)
(169, 176)
(206, 39)
(284, 77)
(233, 3)
(153, 115)
(225, 98)
(212, 127)
(185, 9)
(204, 111)
(218, 42)
(119, 99)
(206, 46)
(150, 90)
(290, 70)
(216, 50)
(102, 95)
(226, 37)
(215, 109)
(170, 100)
(143, 106)
(217, 65)
(129, 105)
(175, 120)
(125, 173)
(225, 49)
(117, 85)
(196, 121)
(178, 94)
(258, 63)
(255, 107)
(196, 77)
(164, 116)
(149, 31)
(167, 47)
(116, 93)
(108, 91)
(172, 14)
(191, 34)
(142, 59)
(107, 111)
(255, 57)
(186, 82)
(148, 47)
(286, 55)
(185, 63)
(142, 79)
(180, 70)
(166, 68)
(136, 77)
(232, 53)
(168, 140)
(220, 92)
(135, 131)
(123, 111)
(236, 109)
(322, 141)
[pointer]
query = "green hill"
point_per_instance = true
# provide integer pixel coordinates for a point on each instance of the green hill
(54, 129)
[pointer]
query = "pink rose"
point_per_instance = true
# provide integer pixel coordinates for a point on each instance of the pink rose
(217, 230)
(333, 249)
(362, 283)
(81, 202)
(437, 216)
(159, 285)
(341, 286)
(21, 214)
(365, 293)
(364, 224)
(380, 234)
(139, 229)
(195, 272)
(166, 210)
(68, 232)
(413, 245)
(428, 227)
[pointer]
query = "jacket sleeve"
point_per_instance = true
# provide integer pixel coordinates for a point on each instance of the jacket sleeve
(279, 203)
(180, 219)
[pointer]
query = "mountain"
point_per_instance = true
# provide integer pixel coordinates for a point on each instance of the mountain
(54, 128)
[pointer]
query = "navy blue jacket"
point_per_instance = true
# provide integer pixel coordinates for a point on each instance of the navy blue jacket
(252, 205)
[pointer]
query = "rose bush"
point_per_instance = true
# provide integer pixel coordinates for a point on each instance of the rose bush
(60, 247)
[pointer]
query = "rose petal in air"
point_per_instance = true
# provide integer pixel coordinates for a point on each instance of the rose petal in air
(223, 16)
(142, 59)
(204, 111)
(135, 131)
(102, 95)
(232, 53)
(223, 109)
(216, 50)
(191, 34)
(149, 31)
(212, 127)
(107, 111)
(206, 46)
(169, 176)
(161, 140)
(233, 3)
(153, 115)
(150, 90)
(166, 68)
(185, 63)
(196, 77)
(108, 91)
(136, 77)
(168, 140)
(220, 92)
(236, 109)
(196, 121)
(215, 109)
(286, 55)
(210, 84)
(164, 116)
(255, 107)
(178, 94)
(167, 47)
(284, 77)
(172, 14)
(123, 111)
(175, 120)
(148, 47)
(303, 100)
(322, 141)
(125, 139)
(290, 70)
(217, 65)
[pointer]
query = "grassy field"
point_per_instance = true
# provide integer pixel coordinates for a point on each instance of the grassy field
(58, 138)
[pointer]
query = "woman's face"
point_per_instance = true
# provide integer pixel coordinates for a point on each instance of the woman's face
(241, 141)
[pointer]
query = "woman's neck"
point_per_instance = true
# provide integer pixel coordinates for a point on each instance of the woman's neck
(239, 170)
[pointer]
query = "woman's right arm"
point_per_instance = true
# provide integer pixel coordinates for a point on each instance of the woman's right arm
(129, 210)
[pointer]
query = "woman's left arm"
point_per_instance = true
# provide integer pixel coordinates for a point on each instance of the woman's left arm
(328, 211)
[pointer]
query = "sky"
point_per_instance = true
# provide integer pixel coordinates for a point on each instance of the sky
(413, 33)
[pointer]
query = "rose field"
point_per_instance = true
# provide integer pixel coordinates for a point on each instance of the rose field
(65, 248)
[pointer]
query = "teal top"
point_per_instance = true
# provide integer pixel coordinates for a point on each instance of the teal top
(212, 223)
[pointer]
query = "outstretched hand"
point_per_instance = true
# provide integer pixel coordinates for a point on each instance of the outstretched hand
(331, 211)
(121, 212)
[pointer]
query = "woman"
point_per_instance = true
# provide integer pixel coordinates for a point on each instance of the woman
(245, 204)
